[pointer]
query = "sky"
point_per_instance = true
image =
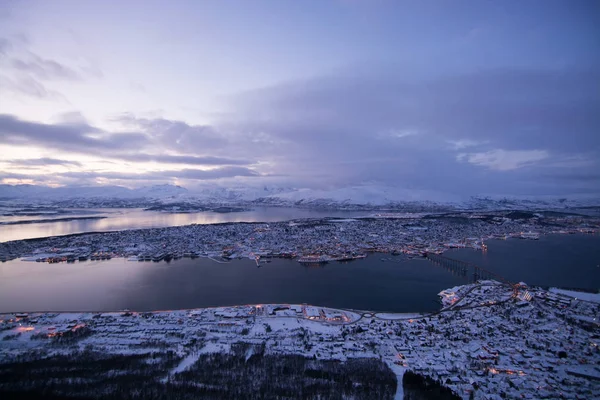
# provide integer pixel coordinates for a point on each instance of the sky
(463, 97)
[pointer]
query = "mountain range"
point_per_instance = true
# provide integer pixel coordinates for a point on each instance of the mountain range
(360, 195)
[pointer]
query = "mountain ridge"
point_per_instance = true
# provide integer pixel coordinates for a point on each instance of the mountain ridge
(375, 196)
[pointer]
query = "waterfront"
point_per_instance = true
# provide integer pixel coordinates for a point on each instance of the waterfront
(135, 218)
(380, 282)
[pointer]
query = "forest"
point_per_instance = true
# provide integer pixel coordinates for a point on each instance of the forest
(246, 372)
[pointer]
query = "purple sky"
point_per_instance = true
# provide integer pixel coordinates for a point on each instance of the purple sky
(466, 97)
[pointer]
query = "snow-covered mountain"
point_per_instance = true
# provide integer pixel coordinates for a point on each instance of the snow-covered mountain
(382, 196)
(237, 193)
(373, 195)
(370, 195)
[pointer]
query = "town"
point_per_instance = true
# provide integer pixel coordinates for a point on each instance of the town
(488, 340)
(309, 240)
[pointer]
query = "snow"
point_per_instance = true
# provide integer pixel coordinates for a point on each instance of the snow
(593, 297)
(186, 363)
(367, 194)
(399, 371)
(214, 347)
(361, 194)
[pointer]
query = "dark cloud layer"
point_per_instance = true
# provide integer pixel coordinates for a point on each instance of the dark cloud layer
(515, 108)
(485, 131)
(65, 136)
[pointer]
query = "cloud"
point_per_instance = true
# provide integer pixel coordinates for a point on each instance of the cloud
(336, 130)
(191, 160)
(80, 137)
(177, 135)
(464, 143)
(504, 160)
(19, 176)
(400, 133)
(45, 69)
(137, 87)
(192, 174)
(76, 135)
(29, 87)
(26, 73)
(41, 162)
(24, 76)
(129, 178)
(5, 46)
(71, 117)
(215, 173)
(73, 134)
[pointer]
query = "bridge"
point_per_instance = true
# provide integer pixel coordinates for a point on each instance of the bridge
(465, 269)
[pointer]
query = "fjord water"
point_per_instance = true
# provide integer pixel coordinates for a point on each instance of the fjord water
(380, 282)
(370, 284)
(136, 218)
(570, 261)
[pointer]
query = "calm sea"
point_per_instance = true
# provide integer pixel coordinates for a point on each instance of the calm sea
(380, 282)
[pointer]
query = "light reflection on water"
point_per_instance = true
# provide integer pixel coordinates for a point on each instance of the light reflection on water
(127, 218)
